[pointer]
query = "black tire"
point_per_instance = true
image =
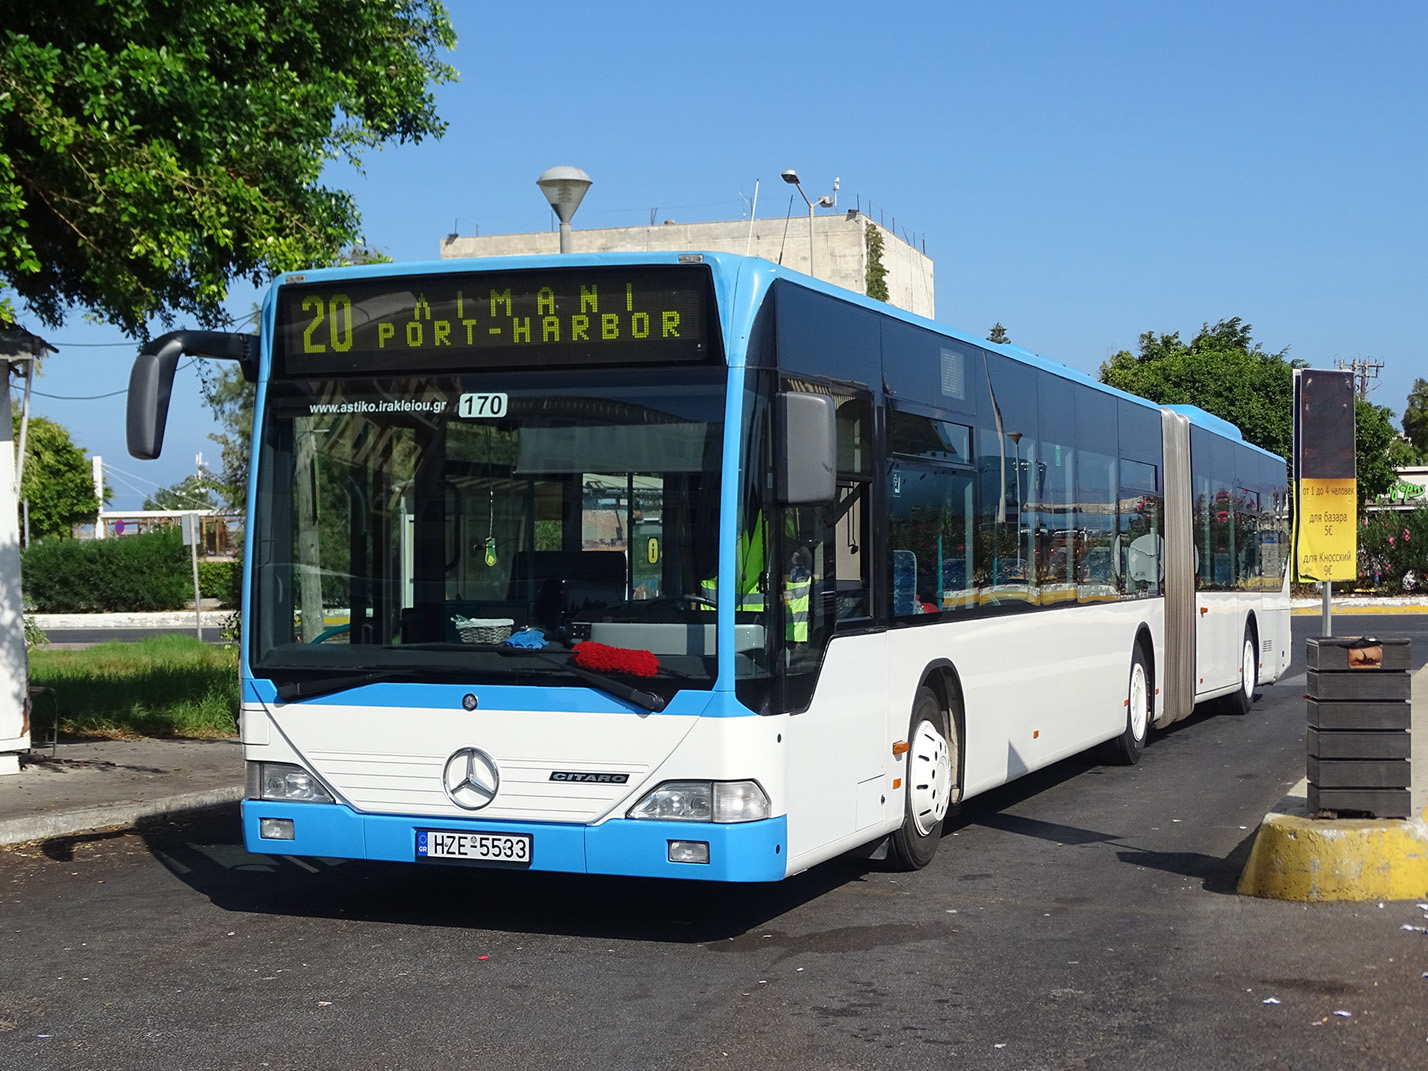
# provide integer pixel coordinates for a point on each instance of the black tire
(929, 783)
(1127, 748)
(1240, 701)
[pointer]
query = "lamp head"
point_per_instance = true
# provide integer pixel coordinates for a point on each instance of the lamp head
(791, 177)
(564, 187)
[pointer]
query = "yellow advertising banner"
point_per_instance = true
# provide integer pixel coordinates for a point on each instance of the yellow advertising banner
(1325, 536)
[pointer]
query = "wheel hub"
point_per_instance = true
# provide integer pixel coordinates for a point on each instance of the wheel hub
(1139, 701)
(929, 773)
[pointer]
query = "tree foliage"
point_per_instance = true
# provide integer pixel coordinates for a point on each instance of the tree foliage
(1373, 435)
(232, 399)
(1225, 372)
(192, 492)
(58, 481)
(152, 151)
(998, 333)
(1415, 421)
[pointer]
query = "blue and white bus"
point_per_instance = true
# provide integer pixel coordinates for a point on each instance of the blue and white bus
(686, 565)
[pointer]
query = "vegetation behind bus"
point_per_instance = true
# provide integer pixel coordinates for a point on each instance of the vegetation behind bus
(132, 573)
(1225, 372)
(57, 487)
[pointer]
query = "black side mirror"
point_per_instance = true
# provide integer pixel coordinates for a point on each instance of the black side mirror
(804, 460)
(151, 380)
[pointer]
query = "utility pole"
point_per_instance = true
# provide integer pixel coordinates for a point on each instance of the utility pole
(1364, 369)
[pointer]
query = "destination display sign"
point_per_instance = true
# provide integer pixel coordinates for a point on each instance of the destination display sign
(1326, 487)
(575, 317)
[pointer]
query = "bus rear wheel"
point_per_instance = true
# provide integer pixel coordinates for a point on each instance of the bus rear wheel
(932, 762)
(1127, 748)
(1240, 701)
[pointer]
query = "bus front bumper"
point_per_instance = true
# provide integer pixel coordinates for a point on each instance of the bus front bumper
(741, 852)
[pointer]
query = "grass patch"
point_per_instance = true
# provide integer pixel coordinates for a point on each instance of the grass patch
(160, 686)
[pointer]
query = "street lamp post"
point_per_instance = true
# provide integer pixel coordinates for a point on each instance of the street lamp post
(828, 200)
(564, 187)
(1015, 437)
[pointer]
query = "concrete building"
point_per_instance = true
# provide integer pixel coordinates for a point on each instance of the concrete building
(844, 247)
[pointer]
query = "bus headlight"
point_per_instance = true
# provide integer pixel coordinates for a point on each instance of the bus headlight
(284, 781)
(704, 801)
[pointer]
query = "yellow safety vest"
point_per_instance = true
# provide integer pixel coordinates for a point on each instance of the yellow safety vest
(751, 569)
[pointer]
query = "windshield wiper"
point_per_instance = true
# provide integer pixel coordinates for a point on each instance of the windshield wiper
(619, 689)
(308, 689)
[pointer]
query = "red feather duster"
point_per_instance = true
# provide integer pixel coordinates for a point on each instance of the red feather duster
(606, 659)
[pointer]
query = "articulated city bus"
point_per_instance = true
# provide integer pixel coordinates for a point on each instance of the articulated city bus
(686, 565)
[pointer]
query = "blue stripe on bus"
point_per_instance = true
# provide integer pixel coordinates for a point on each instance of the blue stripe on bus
(574, 699)
(747, 851)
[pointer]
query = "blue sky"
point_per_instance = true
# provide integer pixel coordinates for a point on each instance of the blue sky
(1079, 171)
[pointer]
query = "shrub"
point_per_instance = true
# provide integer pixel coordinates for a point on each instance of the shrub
(1393, 551)
(221, 581)
(130, 573)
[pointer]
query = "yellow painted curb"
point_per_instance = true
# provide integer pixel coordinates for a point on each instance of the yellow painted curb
(1299, 858)
(1350, 608)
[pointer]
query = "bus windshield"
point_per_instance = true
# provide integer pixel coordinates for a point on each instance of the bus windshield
(416, 524)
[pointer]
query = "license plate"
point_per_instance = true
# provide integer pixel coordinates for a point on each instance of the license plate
(506, 849)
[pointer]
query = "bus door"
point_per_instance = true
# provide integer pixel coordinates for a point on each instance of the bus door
(1219, 616)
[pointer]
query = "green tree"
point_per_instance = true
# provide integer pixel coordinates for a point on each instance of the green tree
(1415, 420)
(1225, 372)
(192, 492)
(150, 153)
(58, 481)
(1401, 453)
(1373, 435)
(998, 333)
(232, 400)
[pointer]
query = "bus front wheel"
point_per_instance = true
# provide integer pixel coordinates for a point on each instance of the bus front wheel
(932, 762)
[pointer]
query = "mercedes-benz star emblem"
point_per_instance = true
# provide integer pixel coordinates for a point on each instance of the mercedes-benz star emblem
(471, 778)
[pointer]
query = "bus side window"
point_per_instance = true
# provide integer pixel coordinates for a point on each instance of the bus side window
(931, 516)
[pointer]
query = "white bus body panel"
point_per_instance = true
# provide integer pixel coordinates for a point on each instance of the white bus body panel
(1037, 688)
(1220, 631)
(840, 753)
(373, 776)
(1219, 628)
(355, 752)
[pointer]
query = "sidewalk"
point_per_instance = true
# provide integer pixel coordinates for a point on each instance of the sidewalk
(103, 783)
